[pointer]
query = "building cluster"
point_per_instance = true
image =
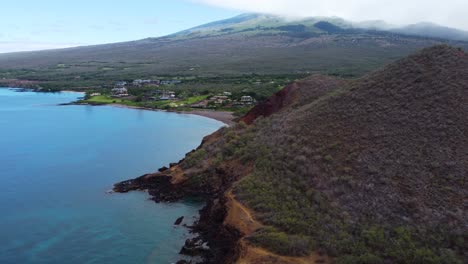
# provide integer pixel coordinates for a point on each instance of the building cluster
(120, 89)
(246, 100)
(149, 82)
(119, 92)
(164, 95)
(224, 99)
(220, 99)
(140, 82)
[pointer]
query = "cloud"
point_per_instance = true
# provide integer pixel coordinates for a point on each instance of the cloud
(451, 13)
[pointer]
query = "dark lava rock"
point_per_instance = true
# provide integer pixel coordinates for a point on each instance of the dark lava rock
(179, 220)
(163, 169)
(194, 247)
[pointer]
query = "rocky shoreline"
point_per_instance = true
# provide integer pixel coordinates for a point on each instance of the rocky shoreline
(214, 242)
(219, 239)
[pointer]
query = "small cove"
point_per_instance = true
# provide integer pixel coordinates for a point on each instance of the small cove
(57, 162)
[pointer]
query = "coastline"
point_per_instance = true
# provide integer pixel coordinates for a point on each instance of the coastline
(134, 233)
(223, 116)
(215, 240)
(211, 240)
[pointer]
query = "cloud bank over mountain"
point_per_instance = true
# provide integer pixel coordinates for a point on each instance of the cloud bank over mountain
(449, 13)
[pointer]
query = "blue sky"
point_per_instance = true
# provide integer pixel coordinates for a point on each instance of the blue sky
(41, 24)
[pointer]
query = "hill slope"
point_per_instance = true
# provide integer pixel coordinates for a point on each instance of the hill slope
(246, 44)
(432, 30)
(384, 154)
(366, 171)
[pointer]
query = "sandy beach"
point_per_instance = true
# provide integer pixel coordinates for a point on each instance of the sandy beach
(222, 116)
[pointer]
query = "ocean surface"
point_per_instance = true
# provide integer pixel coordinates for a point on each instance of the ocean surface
(56, 164)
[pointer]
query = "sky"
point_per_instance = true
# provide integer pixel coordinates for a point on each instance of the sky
(44, 24)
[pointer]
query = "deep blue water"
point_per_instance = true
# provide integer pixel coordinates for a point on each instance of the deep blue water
(56, 164)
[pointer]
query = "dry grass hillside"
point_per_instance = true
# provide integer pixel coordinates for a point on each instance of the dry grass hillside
(372, 170)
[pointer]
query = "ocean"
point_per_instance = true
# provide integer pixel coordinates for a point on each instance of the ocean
(57, 164)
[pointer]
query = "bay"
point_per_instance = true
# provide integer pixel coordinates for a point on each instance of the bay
(56, 164)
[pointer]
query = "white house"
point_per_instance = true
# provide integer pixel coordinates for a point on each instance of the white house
(247, 99)
(119, 92)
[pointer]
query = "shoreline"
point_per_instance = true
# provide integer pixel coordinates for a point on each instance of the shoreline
(224, 117)
(210, 240)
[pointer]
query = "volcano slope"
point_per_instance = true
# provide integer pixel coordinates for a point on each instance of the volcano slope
(371, 170)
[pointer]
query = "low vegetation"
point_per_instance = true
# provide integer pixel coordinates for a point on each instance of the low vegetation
(349, 173)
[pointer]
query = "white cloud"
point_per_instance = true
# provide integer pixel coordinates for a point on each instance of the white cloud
(451, 13)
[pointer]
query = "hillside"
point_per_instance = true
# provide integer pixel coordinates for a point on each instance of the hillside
(432, 30)
(242, 45)
(371, 170)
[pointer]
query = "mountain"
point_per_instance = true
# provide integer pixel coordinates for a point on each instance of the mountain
(264, 23)
(253, 22)
(432, 30)
(371, 170)
(250, 43)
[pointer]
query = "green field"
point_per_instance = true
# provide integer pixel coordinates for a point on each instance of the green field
(167, 104)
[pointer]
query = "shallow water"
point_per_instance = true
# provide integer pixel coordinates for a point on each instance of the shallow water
(56, 164)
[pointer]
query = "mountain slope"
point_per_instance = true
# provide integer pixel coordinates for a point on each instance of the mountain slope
(247, 44)
(432, 30)
(372, 170)
(383, 159)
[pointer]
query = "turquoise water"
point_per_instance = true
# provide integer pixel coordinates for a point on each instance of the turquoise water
(56, 164)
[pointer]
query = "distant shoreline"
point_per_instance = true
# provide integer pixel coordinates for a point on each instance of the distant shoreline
(223, 116)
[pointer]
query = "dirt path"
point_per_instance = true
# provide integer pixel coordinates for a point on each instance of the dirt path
(243, 219)
(240, 216)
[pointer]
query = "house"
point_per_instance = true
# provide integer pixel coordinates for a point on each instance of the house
(95, 94)
(139, 82)
(119, 92)
(247, 100)
(201, 104)
(167, 95)
(219, 99)
(120, 84)
(227, 93)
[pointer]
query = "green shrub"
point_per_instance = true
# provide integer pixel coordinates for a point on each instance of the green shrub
(194, 158)
(328, 158)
